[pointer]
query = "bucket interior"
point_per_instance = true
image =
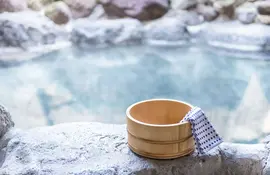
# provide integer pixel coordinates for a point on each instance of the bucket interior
(159, 112)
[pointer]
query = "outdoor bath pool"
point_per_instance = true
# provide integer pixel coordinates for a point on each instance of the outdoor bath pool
(98, 85)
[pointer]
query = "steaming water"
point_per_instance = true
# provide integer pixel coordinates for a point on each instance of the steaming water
(98, 85)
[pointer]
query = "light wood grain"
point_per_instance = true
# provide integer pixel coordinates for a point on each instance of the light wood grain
(154, 130)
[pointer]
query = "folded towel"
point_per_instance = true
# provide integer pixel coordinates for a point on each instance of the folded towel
(203, 132)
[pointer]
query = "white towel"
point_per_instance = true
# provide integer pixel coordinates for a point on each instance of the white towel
(203, 132)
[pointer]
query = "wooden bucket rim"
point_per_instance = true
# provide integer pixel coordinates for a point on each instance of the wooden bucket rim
(155, 125)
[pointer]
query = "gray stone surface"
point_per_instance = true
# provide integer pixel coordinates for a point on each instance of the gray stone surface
(142, 10)
(246, 13)
(183, 4)
(264, 19)
(58, 12)
(94, 148)
(246, 17)
(166, 30)
(263, 7)
(267, 163)
(190, 18)
(208, 12)
(5, 121)
(87, 33)
(98, 13)
(12, 5)
(27, 29)
(81, 8)
(234, 35)
(225, 9)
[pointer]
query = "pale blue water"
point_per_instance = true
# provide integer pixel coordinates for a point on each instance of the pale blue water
(98, 85)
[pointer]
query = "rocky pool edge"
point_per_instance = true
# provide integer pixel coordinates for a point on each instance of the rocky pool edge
(97, 148)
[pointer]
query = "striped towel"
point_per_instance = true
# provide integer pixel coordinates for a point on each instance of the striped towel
(203, 132)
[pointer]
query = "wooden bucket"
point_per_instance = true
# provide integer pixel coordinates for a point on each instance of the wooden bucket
(154, 130)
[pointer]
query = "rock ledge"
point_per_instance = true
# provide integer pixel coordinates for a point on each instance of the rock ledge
(95, 148)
